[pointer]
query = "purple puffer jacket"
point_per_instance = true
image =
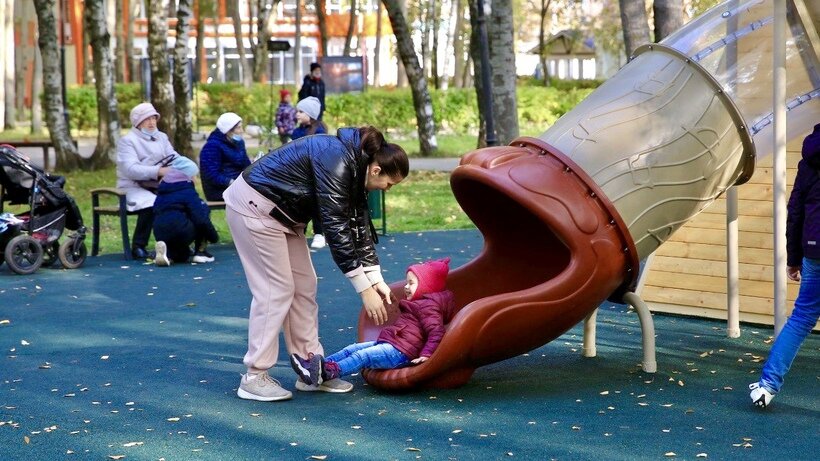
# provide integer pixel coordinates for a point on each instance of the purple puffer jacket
(421, 324)
(803, 222)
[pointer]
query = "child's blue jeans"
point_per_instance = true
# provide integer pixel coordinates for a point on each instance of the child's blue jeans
(369, 354)
(798, 326)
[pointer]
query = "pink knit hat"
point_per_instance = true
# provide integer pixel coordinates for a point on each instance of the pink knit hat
(432, 276)
(142, 111)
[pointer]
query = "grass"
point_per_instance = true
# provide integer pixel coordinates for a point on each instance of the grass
(423, 201)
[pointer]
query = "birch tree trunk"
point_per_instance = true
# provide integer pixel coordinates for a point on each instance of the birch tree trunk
(161, 91)
(88, 70)
(182, 87)
(297, 45)
(475, 57)
(668, 17)
(131, 64)
(260, 52)
(8, 78)
(351, 27)
(199, 67)
(459, 64)
(448, 44)
(65, 150)
(108, 122)
(634, 24)
(500, 30)
(36, 87)
(435, 23)
(425, 19)
(119, 47)
(247, 75)
(418, 84)
(23, 58)
(377, 50)
(543, 52)
(322, 18)
(401, 75)
(3, 63)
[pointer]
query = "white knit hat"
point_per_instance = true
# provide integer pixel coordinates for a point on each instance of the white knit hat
(310, 106)
(227, 121)
(142, 111)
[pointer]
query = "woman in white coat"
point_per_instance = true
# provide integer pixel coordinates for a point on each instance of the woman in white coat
(144, 155)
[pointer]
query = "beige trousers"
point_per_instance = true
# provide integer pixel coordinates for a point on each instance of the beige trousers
(280, 276)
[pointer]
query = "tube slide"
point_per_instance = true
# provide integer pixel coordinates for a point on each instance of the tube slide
(609, 183)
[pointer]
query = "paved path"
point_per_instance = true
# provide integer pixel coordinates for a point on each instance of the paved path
(86, 146)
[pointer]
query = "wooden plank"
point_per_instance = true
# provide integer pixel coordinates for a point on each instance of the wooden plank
(760, 272)
(747, 239)
(668, 295)
(745, 223)
(714, 252)
(708, 284)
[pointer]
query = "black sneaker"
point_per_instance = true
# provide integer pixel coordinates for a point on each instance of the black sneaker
(309, 370)
(142, 253)
(202, 256)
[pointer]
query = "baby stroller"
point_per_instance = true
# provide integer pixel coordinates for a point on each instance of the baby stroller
(31, 239)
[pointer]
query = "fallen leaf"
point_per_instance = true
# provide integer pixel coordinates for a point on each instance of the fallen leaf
(457, 431)
(174, 419)
(256, 415)
(132, 444)
(5, 322)
(24, 342)
(670, 454)
(701, 455)
(412, 449)
(116, 456)
(26, 439)
(319, 457)
(104, 357)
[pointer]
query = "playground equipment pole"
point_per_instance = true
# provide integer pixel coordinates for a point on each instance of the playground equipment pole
(779, 153)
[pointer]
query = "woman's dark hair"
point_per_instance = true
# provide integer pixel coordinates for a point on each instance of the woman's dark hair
(391, 157)
(314, 125)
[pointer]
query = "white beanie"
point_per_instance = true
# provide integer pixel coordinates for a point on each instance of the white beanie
(142, 111)
(310, 106)
(227, 121)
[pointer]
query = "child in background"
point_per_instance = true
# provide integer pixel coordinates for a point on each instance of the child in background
(285, 116)
(307, 116)
(428, 306)
(181, 218)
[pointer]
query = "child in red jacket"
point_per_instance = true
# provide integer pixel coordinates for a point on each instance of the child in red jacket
(414, 336)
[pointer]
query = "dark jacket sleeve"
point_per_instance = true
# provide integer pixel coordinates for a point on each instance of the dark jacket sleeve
(200, 215)
(304, 92)
(796, 214)
(210, 163)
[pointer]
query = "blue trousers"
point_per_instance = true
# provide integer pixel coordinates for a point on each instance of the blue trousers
(370, 354)
(798, 326)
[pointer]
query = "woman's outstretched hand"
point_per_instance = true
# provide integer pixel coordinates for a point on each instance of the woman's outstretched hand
(374, 305)
(385, 292)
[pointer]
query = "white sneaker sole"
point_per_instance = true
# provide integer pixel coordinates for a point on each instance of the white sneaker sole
(161, 258)
(305, 387)
(202, 259)
(243, 394)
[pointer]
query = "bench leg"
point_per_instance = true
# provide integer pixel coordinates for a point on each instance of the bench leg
(95, 235)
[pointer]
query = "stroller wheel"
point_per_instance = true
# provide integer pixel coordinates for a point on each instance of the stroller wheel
(72, 253)
(24, 254)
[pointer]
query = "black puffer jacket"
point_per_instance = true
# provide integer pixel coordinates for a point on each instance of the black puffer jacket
(322, 175)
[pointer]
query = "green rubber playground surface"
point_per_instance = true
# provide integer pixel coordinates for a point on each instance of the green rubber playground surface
(123, 360)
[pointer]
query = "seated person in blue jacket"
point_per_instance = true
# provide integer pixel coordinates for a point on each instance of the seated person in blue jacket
(223, 156)
(428, 306)
(181, 218)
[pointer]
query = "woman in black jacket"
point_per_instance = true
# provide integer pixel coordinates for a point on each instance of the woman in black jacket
(267, 209)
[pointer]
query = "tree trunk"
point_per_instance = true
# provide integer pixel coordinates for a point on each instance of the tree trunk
(634, 24)
(131, 64)
(3, 63)
(220, 54)
(199, 68)
(668, 18)
(475, 56)
(119, 50)
(23, 58)
(459, 63)
(351, 27)
(247, 76)
(65, 150)
(260, 52)
(421, 96)
(8, 79)
(182, 88)
(543, 52)
(448, 44)
(36, 86)
(297, 45)
(88, 70)
(502, 64)
(425, 20)
(401, 75)
(434, 53)
(322, 18)
(377, 50)
(161, 91)
(108, 124)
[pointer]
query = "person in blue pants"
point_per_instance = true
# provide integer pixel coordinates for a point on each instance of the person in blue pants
(803, 261)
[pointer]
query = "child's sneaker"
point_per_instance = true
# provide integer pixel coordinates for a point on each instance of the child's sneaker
(161, 258)
(761, 397)
(309, 370)
(202, 256)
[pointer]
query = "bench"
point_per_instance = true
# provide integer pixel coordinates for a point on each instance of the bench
(122, 212)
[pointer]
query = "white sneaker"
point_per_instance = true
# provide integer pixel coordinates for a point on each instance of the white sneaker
(318, 242)
(162, 255)
(761, 397)
(261, 387)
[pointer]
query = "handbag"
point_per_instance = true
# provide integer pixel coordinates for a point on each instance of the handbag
(151, 185)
